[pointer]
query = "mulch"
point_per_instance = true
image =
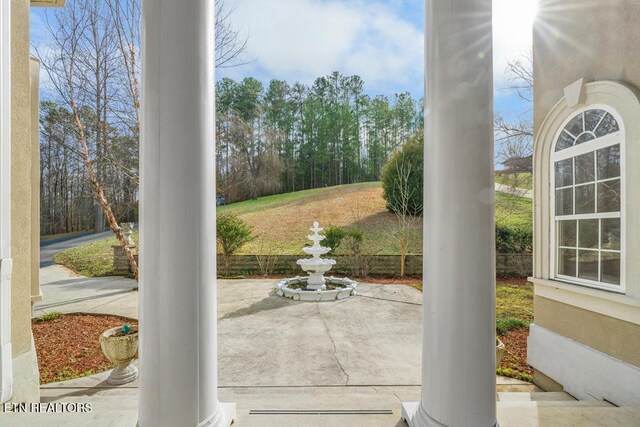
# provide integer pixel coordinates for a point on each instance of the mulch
(68, 347)
(515, 354)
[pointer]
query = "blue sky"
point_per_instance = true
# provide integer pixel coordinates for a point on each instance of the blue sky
(380, 40)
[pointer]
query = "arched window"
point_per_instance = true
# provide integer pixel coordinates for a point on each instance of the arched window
(587, 205)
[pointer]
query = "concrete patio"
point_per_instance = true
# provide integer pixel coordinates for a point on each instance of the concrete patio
(360, 355)
(347, 363)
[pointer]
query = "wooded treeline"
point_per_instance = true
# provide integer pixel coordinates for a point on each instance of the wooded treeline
(67, 202)
(285, 137)
(279, 138)
(288, 137)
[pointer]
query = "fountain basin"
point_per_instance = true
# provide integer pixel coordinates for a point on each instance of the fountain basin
(316, 267)
(337, 288)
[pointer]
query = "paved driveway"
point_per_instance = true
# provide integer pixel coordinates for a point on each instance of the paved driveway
(50, 248)
(65, 291)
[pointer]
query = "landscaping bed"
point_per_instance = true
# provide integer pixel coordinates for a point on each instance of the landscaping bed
(67, 344)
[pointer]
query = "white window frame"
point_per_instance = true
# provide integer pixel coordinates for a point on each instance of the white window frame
(567, 153)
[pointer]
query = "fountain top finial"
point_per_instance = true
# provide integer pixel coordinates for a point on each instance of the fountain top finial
(316, 228)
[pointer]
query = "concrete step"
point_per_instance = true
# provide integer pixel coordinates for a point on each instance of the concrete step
(99, 402)
(527, 387)
(555, 404)
(53, 393)
(96, 418)
(568, 416)
(534, 396)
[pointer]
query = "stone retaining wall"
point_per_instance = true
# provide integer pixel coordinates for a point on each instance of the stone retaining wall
(377, 265)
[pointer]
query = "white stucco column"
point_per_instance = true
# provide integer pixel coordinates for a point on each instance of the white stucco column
(178, 365)
(6, 358)
(458, 356)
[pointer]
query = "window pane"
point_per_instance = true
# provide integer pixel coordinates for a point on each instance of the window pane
(592, 118)
(564, 173)
(564, 201)
(588, 233)
(588, 265)
(567, 262)
(564, 141)
(609, 196)
(610, 267)
(610, 234)
(567, 233)
(575, 126)
(585, 168)
(609, 162)
(607, 126)
(587, 136)
(585, 199)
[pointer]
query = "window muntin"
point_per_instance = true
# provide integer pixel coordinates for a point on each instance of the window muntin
(587, 126)
(587, 212)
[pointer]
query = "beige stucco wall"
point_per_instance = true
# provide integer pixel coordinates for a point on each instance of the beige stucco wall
(606, 334)
(598, 40)
(25, 369)
(20, 178)
(36, 295)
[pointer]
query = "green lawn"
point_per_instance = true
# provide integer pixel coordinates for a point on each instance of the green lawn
(92, 259)
(518, 180)
(513, 211)
(514, 300)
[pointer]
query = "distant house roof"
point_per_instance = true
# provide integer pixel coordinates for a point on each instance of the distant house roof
(519, 164)
(48, 3)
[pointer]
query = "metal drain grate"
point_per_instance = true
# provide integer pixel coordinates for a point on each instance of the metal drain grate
(320, 412)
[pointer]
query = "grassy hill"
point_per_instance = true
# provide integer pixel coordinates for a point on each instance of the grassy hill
(281, 223)
(519, 180)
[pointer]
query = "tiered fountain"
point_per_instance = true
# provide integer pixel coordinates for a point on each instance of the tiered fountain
(316, 287)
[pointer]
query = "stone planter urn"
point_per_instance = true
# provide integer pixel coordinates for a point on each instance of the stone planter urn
(121, 349)
(127, 232)
(499, 351)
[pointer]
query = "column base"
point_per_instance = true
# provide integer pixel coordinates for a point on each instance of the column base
(415, 416)
(224, 417)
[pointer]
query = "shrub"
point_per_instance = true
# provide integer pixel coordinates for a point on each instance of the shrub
(46, 317)
(513, 240)
(352, 244)
(232, 233)
(353, 240)
(512, 373)
(506, 324)
(402, 178)
(333, 236)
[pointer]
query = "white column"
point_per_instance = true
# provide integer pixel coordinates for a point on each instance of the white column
(178, 365)
(6, 376)
(458, 353)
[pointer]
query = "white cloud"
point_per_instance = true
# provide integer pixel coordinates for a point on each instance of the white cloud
(304, 39)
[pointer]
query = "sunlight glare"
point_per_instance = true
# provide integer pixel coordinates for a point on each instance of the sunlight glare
(515, 14)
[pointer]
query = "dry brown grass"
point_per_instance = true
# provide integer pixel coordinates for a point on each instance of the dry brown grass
(282, 228)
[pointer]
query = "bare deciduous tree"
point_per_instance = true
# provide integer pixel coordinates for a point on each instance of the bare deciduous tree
(81, 65)
(406, 225)
(229, 44)
(515, 136)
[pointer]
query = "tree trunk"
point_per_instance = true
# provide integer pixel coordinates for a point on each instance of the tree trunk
(99, 193)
